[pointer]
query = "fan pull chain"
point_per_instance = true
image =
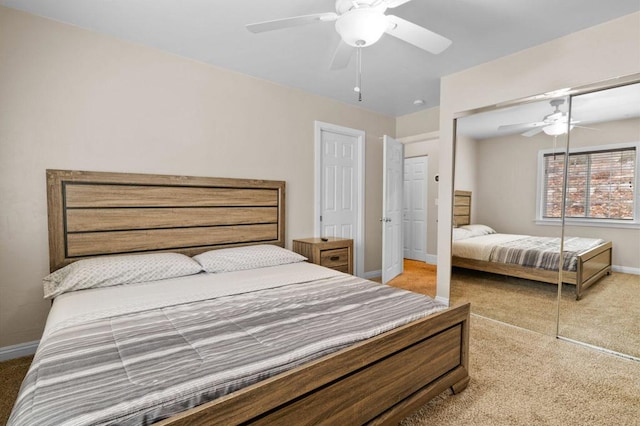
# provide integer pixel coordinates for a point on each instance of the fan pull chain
(358, 88)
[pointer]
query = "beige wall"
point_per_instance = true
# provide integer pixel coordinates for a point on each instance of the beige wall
(425, 121)
(466, 168)
(73, 99)
(505, 193)
(598, 53)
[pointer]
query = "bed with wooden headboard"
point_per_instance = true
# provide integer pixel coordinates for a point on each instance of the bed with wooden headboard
(591, 265)
(95, 214)
(379, 380)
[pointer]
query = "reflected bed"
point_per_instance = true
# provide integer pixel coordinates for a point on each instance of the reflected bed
(585, 260)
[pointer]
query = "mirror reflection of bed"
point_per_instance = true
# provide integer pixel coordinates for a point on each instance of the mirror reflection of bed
(514, 269)
(504, 174)
(497, 170)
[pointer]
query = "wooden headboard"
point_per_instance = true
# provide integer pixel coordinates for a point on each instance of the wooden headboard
(461, 208)
(96, 213)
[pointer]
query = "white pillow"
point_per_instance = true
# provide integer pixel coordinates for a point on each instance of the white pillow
(116, 270)
(250, 257)
(478, 230)
(461, 234)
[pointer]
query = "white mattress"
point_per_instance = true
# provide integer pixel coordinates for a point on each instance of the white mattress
(79, 306)
(479, 248)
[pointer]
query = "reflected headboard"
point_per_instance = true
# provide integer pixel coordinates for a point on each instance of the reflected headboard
(461, 208)
(97, 213)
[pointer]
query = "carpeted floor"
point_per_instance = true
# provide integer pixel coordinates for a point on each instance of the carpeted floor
(522, 377)
(603, 317)
(607, 316)
(524, 303)
(11, 374)
(518, 377)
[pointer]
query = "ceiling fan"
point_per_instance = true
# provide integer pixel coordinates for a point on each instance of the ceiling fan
(554, 124)
(361, 23)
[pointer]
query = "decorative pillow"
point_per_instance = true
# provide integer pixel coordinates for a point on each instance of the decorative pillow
(461, 234)
(478, 230)
(116, 270)
(250, 257)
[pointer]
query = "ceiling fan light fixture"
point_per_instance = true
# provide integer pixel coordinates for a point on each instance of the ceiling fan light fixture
(556, 129)
(361, 27)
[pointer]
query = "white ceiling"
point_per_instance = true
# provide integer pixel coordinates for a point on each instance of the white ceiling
(590, 108)
(394, 73)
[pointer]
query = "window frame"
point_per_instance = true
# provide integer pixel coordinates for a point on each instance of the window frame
(593, 222)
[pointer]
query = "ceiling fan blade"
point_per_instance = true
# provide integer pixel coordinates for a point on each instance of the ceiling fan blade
(521, 127)
(395, 3)
(341, 56)
(291, 22)
(417, 35)
(533, 132)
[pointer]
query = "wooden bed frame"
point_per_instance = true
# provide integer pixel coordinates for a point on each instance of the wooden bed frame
(378, 381)
(591, 265)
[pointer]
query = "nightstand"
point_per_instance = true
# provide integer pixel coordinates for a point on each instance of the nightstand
(335, 253)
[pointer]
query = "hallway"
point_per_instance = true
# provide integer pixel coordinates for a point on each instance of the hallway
(419, 277)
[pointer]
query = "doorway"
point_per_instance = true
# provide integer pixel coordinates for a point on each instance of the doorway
(339, 186)
(414, 215)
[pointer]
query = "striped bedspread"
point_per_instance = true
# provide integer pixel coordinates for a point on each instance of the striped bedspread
(141, 367)
(542, 252)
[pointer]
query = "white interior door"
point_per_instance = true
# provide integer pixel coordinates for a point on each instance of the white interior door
(339, 186)
(414, 216)
(393, 181)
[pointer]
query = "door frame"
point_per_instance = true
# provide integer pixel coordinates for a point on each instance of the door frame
(429, 137)
(358, 243)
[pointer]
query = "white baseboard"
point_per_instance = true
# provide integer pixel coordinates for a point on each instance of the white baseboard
(373, 274)
(432, 259)
(19, 350)
(625, 269)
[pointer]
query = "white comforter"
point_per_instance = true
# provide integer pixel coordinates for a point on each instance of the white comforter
(479, 248)
(81, 306)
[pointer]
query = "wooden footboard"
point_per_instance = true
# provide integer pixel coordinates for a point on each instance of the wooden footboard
(590, 267)
(379, 381)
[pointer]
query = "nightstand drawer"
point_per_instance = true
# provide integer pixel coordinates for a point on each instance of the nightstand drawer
(335, 257)
(341, 268)
(330, 252)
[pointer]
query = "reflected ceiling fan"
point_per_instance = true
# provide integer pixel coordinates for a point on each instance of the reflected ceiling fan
(361, 23)
(554, 124)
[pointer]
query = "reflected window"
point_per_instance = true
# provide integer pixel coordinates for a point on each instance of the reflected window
(601, 183)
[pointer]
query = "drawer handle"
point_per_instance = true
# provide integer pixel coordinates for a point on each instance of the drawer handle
(334, 258)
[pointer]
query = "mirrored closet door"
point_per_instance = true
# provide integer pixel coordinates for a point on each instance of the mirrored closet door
(501, 159)
(602, 204)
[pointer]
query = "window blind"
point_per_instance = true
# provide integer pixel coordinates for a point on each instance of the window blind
(599, 184)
